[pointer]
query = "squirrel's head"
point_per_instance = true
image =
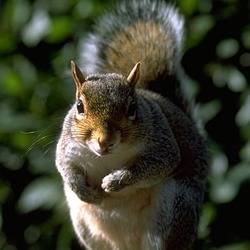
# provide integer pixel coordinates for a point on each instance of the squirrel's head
(105, 109)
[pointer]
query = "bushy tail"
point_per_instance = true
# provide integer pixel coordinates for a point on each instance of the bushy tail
(147, 31)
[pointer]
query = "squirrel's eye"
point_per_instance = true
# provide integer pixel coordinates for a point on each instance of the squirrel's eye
(132, 110)
(80, 107)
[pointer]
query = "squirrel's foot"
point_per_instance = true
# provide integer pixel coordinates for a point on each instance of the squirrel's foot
(116, 181)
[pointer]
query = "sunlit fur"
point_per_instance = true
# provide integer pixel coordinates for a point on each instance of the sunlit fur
(133, 181)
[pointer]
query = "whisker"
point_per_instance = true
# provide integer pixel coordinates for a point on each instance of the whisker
(35, 143)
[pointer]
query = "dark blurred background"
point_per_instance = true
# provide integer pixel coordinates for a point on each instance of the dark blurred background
(37, 41)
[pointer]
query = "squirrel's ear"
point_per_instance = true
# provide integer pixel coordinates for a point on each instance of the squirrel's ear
(134, 75)
(78, 76)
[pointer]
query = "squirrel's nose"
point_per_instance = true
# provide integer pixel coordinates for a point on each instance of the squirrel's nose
(105, 143)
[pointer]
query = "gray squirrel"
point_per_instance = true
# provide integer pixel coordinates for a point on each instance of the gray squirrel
(133, 163)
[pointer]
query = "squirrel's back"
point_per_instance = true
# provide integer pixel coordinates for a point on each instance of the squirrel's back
(150, 32)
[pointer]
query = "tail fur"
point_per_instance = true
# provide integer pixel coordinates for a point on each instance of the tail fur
(147, 31)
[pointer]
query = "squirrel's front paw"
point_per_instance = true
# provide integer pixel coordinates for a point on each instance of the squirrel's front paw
(90, 195)
(84, 192)
(116, 181)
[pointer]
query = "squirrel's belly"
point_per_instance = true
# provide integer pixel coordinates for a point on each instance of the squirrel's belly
(133, 213)
(103, 222)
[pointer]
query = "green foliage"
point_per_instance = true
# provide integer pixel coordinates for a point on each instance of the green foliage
(39, 38)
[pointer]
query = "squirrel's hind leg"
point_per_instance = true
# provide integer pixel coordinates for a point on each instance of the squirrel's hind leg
(178, 218)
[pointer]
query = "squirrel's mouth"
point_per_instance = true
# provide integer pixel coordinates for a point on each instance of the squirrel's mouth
(103, 148)
(99, 151)
(103, 152)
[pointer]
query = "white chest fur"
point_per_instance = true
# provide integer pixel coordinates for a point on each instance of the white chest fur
(123, 218)
(97, 167)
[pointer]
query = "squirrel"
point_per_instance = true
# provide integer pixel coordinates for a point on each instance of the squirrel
(132, 160)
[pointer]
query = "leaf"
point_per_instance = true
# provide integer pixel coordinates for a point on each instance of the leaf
(42, 193)
(61, 28)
